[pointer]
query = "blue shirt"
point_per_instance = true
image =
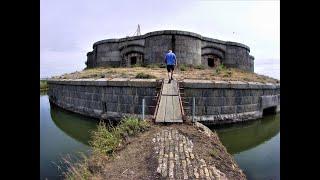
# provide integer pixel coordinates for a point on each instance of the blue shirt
(170, 58)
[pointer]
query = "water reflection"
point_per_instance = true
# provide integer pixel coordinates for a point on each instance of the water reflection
(62, 134)
(76, 126)
(243, 136)
(255, 146)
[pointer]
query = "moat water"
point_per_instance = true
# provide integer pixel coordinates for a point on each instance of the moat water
(255, 145)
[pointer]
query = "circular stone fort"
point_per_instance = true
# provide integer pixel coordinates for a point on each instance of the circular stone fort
(190, 48)
(206, 100)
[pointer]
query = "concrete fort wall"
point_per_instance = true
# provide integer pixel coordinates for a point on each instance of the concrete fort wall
(216, 102)
(100, 98)
(219, 102)
(190, 48)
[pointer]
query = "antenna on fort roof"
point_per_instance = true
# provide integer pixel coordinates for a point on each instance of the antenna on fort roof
(137, 33)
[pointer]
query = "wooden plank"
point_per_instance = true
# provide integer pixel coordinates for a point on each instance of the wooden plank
(169, 109)
(165, 88)
(170, 89)
(174, 88)
(176, 108)
(161, 110)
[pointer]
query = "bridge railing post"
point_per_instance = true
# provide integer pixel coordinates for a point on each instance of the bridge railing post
(193, 108)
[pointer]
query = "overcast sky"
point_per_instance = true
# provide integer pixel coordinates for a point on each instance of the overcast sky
(69, 28)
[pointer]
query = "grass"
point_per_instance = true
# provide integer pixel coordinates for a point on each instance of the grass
(183, 67)
(219, 69)
(104, 142)
(142, 75)
(155, 71)
(43, 85)
(200, 66)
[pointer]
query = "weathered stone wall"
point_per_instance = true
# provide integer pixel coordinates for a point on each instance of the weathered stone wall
(101, 98)
(217, 102)
(224, 102)
(237, 57)
(156, 47)
(189, 48)
(107, 54)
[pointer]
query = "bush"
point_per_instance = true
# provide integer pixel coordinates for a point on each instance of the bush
(136, 65)
(219, 68)
(183, 67)
(103, 140)
(153, 65)
(228, 74)
(106, 140)
(131, 126)
(200, 66)
(43, 85)
(144, 76)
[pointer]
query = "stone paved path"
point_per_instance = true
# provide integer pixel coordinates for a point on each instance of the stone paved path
(176, 159)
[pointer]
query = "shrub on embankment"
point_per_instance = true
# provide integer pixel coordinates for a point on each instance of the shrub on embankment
(43, 85)
(104, 142)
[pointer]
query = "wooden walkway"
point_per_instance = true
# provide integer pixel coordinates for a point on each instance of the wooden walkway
(169, 109)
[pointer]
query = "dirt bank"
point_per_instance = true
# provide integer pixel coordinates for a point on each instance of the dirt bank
(139, 159)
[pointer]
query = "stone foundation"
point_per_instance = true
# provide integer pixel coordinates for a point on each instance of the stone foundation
(218, 102)
(104, 98)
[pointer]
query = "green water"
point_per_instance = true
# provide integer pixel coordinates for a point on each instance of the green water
(61, 134)
(255, 146)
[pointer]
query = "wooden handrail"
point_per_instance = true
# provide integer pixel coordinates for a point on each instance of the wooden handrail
(157, 105)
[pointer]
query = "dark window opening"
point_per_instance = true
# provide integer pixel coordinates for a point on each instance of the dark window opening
(269, 110)
(210, 62)
(133, 60)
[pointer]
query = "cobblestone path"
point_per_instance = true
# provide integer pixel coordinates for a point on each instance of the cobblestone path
(176, 159)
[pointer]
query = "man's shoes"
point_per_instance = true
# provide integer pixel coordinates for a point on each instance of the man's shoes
(169, 81)
(171, 78)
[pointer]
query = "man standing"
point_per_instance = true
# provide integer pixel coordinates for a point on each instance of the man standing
(171, 62)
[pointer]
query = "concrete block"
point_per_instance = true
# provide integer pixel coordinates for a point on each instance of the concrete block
(228, 109)
(229, 101)
(111, 98)
(118, 82)
(112, 107)
(211, 110)
(269, 101)
(214, 101)
(228, 93)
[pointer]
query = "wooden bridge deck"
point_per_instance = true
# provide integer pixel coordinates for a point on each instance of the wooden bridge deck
(169, 107)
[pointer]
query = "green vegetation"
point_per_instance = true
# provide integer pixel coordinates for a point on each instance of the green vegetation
(137, 65)
(43, 85)
(156, 65)
(219, 69)
(142, 75)
(187, 71)
(105, 141)
(183, 67)
(200, 66)
(80, 170)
